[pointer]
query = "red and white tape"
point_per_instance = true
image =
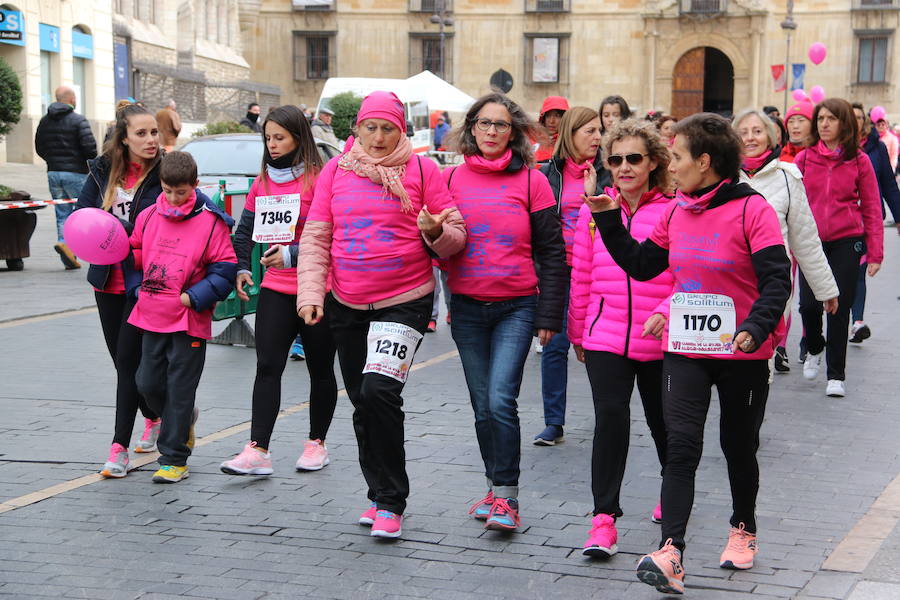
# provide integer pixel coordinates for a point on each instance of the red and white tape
(36, 203)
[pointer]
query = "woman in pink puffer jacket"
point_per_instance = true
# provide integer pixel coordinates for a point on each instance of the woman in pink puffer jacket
(615, 322)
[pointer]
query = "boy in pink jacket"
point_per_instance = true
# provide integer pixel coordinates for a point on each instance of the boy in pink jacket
(182, 245)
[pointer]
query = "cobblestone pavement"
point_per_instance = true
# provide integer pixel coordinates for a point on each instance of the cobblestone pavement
(827, 467)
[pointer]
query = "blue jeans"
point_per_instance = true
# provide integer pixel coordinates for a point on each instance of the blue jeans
(493, 339)
(64, 184)
(555, 374)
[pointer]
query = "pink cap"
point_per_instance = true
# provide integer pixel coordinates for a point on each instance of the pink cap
(383, 105)
(804, 109)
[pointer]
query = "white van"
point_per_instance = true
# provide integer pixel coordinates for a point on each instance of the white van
(413, 98)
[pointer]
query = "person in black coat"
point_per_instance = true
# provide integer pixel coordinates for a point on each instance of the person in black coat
(124, 180)
(251, 119)
(887, 187)
(65, 141)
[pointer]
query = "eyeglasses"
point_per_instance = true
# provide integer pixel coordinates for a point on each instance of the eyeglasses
(615, 160)
(499, 126)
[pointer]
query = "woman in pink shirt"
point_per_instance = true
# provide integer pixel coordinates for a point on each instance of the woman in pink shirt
(378, 215)
(513, 223)
(615, 322)
(722, 242)
(846, 204)
(284, 193)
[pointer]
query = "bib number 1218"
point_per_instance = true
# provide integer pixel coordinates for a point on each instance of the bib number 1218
(391, 348)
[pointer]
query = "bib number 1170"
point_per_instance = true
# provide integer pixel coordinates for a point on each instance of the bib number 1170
(391, 348)
(702, 322)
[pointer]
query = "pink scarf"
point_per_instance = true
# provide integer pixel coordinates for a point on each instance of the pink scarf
(753, 163)
(175, 213)
(578, 171)
(822, 149)
(389, 170)
(695, 204)
(480, 164)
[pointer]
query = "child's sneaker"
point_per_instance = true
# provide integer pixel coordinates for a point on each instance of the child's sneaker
(192, 439)
(386, 524)
(602, 538)
(481, 510)
(251, 461)
(740, 550)
(657, 514)
(170, 474)
(662, 569)
(314, 457)
(147, 442)
(368, 517)
(116, 465)
(504, 515)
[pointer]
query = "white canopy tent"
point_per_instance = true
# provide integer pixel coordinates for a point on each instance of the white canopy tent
(439, 94)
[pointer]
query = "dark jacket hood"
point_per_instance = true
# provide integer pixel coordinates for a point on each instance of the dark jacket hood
(58, 110)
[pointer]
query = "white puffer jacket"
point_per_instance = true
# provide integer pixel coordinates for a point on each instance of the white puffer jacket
(781, 184)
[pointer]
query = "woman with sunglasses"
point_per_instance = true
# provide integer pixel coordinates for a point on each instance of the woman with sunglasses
(722, 242)
(843, 195)
(615, 323)
(368, 233)
(576, 149)
(512, 223)
(781, 185)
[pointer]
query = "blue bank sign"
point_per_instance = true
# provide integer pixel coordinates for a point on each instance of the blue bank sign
(12, 27)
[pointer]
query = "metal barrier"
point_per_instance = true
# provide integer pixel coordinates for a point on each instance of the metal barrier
(238, 332)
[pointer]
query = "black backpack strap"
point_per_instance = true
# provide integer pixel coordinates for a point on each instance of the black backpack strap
(529, 188)
(788, 186)
(450, 178)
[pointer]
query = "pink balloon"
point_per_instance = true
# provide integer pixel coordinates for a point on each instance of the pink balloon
(96, 236)
(877, 113)
(817, 53)
(817, 94)
(798, 95)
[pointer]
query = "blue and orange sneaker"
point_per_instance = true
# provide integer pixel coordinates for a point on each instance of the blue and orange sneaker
(481, 510)
(504, 515)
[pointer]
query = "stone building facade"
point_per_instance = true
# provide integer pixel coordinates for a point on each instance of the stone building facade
(50, 43)
(681, 55)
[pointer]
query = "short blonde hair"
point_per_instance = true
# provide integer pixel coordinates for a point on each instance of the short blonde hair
(656, 149)
(768, 124)
(574, 119)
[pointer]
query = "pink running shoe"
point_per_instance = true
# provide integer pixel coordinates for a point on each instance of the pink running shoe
(481, 510)
(314, 457)
(742, 547)
(147, 442)
(387, 524)
(250, 461)
(602, 538)
(657, 514)
(117, 465)
(368, 517)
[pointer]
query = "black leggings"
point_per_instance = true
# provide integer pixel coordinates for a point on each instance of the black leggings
(612, 380)
(843, 258)
(743, 389)
(277, 324)
(124, 344)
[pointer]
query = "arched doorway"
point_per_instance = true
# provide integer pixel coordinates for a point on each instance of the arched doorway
(703, 80)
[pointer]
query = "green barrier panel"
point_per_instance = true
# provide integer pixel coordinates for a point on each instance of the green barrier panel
(238, 331)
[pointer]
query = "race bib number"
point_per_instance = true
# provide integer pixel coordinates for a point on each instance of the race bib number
(701, 324)
(122, 206)
(276, 218)
(390, 349)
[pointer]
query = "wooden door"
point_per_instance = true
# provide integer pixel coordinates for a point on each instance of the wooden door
(687, 83)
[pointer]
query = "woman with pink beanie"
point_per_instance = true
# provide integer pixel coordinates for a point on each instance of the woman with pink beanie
(370, 229)
(798, 121)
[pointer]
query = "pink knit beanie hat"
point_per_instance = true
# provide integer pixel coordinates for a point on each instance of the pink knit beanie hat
(383, 105)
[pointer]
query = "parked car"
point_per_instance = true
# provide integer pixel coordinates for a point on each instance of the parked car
(236, 157)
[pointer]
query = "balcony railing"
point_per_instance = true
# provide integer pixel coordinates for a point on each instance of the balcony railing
(430, 6)
(876, 4)
(313, 5)
(547, 6)
(703, 7)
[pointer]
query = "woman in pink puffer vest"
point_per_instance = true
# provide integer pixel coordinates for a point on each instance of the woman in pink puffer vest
(615, 322)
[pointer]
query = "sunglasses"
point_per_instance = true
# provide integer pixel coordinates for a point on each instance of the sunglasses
(615, 160)
(499, 126)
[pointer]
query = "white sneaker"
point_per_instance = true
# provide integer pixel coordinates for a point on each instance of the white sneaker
(835, 388)
(812, 364)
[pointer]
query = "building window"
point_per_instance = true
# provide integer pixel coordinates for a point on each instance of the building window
(872, 65)
(314, 56)
(876, 3)
(703, 7)
(425, 54)
(547, 5)
(430, 6)
(144, 10)
(547, 58)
